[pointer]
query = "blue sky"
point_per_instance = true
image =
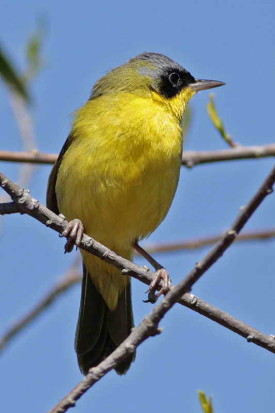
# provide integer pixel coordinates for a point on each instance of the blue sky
(231, 41)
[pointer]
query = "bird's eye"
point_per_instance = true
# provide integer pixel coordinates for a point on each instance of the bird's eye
(175, 79)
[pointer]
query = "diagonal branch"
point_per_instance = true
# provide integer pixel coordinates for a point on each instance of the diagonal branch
(27, 204)
(229, 236)
(188, 300)
(190, 244)
(149, 326)
(71, 278)
(189, 158)
(196, 243)
(8, 208)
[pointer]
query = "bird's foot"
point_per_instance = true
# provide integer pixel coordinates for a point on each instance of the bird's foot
(73, 232)
(163, 279)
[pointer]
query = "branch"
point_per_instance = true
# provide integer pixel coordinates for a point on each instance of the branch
(149, 326)
(203, 242)
(8, 208)
(227, 239)
(24, 120)
(11, 208)
(189, 158)
(188, 300)
(33, 156)
(29, 205)
(26, 128)
(193, 158)
(71, 278)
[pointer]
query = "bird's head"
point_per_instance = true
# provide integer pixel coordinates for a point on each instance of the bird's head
(153, 75)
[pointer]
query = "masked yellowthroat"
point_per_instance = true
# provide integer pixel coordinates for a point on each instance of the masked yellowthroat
(117, 174)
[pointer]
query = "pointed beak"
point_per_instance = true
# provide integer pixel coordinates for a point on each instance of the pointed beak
(202, 84)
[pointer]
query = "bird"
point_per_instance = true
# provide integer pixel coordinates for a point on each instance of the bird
(115, 178)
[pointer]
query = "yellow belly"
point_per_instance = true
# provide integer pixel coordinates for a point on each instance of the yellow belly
(119, 177)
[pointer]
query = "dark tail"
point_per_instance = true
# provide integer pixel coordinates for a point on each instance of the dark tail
(100, 331)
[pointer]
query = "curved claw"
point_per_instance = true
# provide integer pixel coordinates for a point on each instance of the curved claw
(152, 298)
(163, 279)
(73, 232)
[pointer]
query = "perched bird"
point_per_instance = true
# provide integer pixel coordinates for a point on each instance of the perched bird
(115, 178)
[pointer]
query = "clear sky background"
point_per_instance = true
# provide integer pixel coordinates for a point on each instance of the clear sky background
(232, 41)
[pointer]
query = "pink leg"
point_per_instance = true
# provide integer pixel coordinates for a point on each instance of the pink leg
(162, 279)
(73, 232)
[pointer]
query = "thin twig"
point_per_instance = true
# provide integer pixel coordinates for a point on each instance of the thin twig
(226, 320)
(189, 158)
(25, 125)
(193, 158)
(149, 326)
(71, 278)
(28, 157)
(26, 128)
(188, 300)
(228, 238)
(23, 120)
(197, 243)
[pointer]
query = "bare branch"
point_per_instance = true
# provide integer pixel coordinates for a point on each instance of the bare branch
(29, 205)
(8, 208)
(189, 158)
(204, 242)
(26, 128)
(193, 158)
(28, 157)
(24, 122)
(226, 320)
(12, 208)
(188, 300)
(149, 326)
(72, 277)
(228, 238)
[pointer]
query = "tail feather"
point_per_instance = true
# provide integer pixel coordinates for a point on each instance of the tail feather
(100, 331)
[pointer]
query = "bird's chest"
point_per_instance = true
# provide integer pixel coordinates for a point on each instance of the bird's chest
(136, 185)
(127, 179)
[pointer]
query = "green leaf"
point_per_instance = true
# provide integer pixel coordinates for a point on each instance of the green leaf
(33, 51)
(11, 76)
(206, 403)
(217, 122)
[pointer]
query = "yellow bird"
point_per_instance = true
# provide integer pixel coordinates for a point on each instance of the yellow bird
(115, 178)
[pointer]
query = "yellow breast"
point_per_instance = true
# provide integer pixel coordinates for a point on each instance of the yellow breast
(120, 173)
